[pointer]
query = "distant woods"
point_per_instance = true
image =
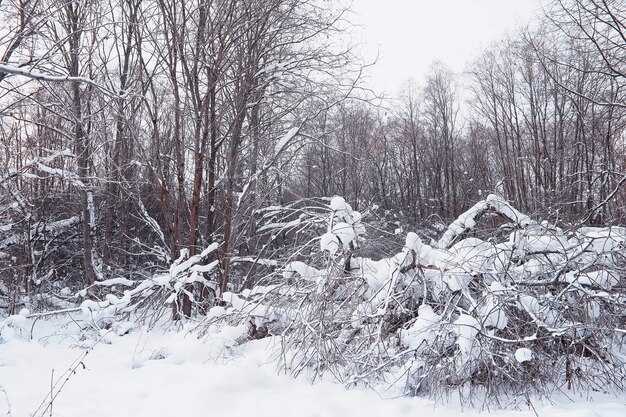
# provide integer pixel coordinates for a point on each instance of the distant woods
(137, 131)
(538, 118)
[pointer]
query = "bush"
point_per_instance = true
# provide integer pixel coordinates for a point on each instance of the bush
(539, 311)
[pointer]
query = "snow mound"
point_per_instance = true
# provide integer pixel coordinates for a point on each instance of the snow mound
(523, 355)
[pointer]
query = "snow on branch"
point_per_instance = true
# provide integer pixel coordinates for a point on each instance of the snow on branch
(41, 163)
(154, 292)
(35, 75)
(281, 145)
(467, 220)
(52, 229)
(284, 141)
(69, 176)
(154, 225)
(423, 321)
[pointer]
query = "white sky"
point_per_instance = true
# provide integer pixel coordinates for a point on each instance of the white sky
(411, 34)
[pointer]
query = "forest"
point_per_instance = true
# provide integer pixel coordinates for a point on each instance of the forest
(223, 164)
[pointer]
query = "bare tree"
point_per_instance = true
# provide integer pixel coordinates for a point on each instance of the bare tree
(598, 27)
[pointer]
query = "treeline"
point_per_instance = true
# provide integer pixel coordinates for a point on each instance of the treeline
(137, 131)
(539, 119)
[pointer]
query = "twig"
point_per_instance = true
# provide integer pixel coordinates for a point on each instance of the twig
(6, 396)
(60, 382)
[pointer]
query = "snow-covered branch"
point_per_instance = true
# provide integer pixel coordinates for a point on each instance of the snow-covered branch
(41, 231)
(39, 76)
(467, 220)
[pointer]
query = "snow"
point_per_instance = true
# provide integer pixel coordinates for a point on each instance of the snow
(37, 231)
(423, 330)
(180, 265)
(338, 203)
(14, 325)
(329, 243)
(544, 316)
(523, 355)
(540, 239)
(457, 279)
(61, 173)
(504, 208)
(306, 272)
(426, 254)
(504, 279)
(343, 212)
(344, 232)
(413, 241)
(257, 261)
(282, 143)
(467, 220)
(603, 279)
(162, 373)
(376, 273)
(344, 226)
(116, 281)
(493, 315)
(36, 75)
(467, 328)
(286, 225)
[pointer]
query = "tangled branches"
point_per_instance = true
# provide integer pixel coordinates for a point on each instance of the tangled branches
(537, 312)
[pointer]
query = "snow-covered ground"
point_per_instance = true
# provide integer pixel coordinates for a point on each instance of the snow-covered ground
(174, 374)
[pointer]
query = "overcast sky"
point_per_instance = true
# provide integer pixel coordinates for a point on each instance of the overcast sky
(411, 34)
